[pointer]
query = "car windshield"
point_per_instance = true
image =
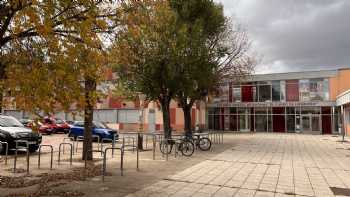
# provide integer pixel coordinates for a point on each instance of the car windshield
(10, 122)
(59, 121)
(100, 125)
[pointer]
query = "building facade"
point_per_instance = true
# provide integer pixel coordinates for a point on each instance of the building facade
(299, 102)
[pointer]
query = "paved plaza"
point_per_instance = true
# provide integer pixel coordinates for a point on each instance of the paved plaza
(264, 165)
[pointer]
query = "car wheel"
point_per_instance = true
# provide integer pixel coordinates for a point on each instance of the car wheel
(33, 148)
(72, 136)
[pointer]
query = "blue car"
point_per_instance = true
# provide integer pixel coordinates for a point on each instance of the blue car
(99, 129)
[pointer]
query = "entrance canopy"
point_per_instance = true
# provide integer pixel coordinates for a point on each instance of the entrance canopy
(343, 98)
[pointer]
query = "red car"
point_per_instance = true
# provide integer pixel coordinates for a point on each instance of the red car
(41, 127)
(62, 126)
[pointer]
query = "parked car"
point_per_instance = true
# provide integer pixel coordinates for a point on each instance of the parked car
(99, 129)
(39, 126)
(62, 126)
(11, 130)
(26, 122)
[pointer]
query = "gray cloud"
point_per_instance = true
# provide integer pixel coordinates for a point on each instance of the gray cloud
(295, 35)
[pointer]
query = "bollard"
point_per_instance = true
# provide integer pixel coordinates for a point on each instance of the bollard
(16, 150)
(71, 152)
(104, 165)
(6, 150)
(51, 161)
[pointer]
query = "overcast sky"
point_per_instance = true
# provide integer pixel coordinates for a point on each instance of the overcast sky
(295, 35)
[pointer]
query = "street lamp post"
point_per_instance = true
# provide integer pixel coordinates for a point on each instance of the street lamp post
(142, 98)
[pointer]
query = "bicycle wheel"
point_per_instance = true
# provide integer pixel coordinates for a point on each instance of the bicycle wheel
(187, 148)
(204, 144)
(163, 147)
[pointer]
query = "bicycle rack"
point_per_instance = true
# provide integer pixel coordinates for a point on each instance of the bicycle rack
(128, 145)
(104, 165)
(6, 150)
(105, 140)
(71, 139)
(16, 150)
(79, 139)
(51, 151)
(137, 151)
(71, 152)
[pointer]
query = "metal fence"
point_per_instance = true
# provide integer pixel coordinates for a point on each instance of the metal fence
(104, 115)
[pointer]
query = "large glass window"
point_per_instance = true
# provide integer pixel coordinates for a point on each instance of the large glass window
(261, 122)
(316, 90)
(326, 89)
(304, 90)
(237, 94)
(283, 90)
(264, 90)
(276, 91)
(224, 92)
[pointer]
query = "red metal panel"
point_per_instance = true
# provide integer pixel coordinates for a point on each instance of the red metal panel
(247, 93)
(279, 124)
(326, 120)
(292, 90)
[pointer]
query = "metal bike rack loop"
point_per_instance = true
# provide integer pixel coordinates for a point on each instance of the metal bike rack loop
(129, 138)
(70, 139)
(71, 152)
(51, 154)
(16, 150)
(105, 161)
(6, 150)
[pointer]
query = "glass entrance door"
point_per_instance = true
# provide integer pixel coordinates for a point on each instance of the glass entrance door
(244, 119)
(310, 123)
(305, 123)
(315, 123)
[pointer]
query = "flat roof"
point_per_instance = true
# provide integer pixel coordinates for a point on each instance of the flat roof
(294, 75)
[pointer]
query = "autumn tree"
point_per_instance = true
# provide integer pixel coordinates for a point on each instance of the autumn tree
(52, 52)
(145, 53)
(215, 50)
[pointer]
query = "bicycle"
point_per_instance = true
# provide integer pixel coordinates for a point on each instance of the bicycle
(186, 147)
(202, 143)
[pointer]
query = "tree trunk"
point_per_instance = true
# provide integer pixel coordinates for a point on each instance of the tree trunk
(90, 88)
(187, 119)
(165, 102)
(2, 79)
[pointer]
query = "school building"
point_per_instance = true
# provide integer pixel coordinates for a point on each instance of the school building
(314, 102)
